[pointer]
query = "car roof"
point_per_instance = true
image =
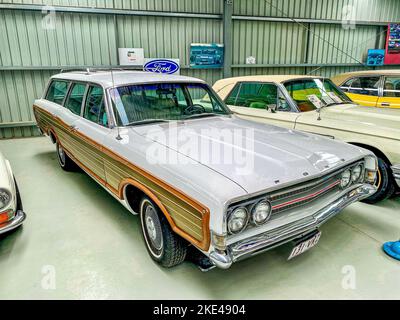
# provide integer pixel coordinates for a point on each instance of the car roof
(341, 78)
(109, 79)
(263, 78)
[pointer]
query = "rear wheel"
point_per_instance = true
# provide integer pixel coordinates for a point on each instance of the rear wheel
(164, 246)
(64, 160)
(384, 182)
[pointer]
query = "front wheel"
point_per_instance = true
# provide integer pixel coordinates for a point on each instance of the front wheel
(384, 182)
(64, 160)
(164, 246)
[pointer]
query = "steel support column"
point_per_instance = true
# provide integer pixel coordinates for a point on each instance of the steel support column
(227, 21)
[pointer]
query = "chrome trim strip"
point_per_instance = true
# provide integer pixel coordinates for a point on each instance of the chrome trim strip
(266, 241)
(19, 218)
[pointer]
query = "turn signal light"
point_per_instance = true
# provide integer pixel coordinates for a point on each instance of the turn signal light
(5, 216)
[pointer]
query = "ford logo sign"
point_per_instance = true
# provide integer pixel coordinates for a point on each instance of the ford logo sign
(161, 66)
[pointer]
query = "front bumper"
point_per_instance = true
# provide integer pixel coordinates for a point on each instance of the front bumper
(396, 174)
(14, 223)
(266, 241)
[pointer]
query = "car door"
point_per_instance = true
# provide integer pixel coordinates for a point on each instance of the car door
(262, 102)
(90, 130)
(363, 90)
(68, 116)
(390, 97)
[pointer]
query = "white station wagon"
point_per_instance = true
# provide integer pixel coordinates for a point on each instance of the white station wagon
(154, 142)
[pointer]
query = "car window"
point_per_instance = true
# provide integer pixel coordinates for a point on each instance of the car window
(95, 109)
(57, 91)
(312, 93)
(392, 87)
(365, 85)
(231, 100)
(346, 86)
(258, 96)
(164, 101)
(75, 98)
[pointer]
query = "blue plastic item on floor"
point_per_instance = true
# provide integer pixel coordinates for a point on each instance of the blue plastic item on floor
(392, 249)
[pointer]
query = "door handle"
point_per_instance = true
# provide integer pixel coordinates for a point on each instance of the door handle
(73, 127)
(385, 104)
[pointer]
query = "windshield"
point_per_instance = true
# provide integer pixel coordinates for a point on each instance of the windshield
(310, 94)
(164, 101)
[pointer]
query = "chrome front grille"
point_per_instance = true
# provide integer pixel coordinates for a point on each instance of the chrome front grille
(293, 198)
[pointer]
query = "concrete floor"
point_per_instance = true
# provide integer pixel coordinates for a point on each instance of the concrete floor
(79, 236)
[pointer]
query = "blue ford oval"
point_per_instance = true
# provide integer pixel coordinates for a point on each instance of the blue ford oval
(161, 66)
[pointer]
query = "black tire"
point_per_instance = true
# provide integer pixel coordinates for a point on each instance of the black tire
(164, 246)
(385, 183)
(64, 160)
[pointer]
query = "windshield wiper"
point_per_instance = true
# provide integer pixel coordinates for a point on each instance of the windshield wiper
(146, 121)
(201, 115)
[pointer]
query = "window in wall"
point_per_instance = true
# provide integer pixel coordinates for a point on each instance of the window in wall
(95, 110)
(365, 86)
(75, 98)
(57, 91)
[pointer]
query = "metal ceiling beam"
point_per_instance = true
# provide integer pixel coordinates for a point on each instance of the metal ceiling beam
(122, 12)
(306, 20)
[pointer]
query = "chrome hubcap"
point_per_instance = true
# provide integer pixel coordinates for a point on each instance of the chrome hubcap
(153, 228)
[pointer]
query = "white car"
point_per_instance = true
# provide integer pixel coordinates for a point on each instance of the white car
(11, 212)
(113, 126)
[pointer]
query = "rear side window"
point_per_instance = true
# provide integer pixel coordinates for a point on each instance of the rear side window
(95, 110)
(57, 91)
(75, 98)
(365, 85)
(392, 87)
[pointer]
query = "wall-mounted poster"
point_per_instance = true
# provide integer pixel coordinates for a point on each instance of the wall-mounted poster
(131, 56)
(393, 44)
(376, 57)
(167, 66)
(205, 56)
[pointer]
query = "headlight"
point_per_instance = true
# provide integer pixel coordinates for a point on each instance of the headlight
(345, 179)
(356, 173)
(238, 220)
(261, 212)
(5, 198)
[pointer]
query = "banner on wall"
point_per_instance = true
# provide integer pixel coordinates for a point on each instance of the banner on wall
(167, 66)
(376, 57)
(206, 55)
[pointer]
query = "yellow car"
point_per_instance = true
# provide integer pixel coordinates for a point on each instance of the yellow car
(375, 88)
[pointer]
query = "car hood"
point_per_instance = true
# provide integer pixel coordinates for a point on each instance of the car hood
(252, 155)
(367, 120)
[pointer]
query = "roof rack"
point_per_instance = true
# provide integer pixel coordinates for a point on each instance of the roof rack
(92, 70)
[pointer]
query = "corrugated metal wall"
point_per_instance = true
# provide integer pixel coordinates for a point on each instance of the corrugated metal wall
(85, 39)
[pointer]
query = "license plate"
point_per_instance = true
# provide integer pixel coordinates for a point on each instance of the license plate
(305, 246)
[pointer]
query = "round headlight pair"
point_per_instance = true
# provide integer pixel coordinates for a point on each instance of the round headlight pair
(239, 218)
(350, 176)
(5, 198)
